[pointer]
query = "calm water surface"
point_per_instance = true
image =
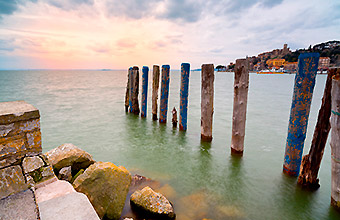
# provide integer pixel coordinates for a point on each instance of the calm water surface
(86, 108)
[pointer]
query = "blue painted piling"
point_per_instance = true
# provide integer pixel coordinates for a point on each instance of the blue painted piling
(130, 88)
(127, 93)
(183, 111)
(145, 79)
(299, 113)
(164, 93)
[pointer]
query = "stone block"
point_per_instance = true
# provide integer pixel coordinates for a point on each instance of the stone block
(7, 162)
(17, 111)
(34, 141)
(11, 181)
(11, 150)
(19, 127)
(30, 164)
(20, 206)
(47, 173)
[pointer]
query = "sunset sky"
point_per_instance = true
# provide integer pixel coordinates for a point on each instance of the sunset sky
(116, 34)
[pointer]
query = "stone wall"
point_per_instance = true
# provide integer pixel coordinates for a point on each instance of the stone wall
(21, 162)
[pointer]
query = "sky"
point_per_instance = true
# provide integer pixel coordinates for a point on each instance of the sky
(117, 34)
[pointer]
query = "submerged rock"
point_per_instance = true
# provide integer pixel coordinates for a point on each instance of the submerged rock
(152, 203)
(106, 186)
(69, 155)
(138, 180)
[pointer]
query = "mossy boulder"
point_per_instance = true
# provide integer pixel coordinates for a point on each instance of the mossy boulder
(106, 186)
(152, 204)
(69, 155)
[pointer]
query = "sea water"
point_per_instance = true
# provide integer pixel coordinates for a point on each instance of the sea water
(203, 180)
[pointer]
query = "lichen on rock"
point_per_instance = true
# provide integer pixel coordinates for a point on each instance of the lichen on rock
(106, 186)
(152, 203)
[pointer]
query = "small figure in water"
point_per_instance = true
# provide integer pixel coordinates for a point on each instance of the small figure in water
(174, 117)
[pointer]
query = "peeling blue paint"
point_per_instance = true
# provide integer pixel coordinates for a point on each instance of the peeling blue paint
(164, 93)
(298, 121)
(145, 79)
(130, 89)
(183, 117)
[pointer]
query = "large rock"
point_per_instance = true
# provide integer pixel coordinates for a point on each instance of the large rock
(106, 186)
(69, 155)
(31, 164)
(152, 203)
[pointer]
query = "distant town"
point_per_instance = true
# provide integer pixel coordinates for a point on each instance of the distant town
(285, 60)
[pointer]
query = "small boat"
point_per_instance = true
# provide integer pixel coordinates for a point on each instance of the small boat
(272, 71)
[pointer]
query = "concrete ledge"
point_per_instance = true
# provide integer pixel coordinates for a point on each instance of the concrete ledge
(53, 190)
(75, 206)
(19, 206)
(17, 111)
(59, 201)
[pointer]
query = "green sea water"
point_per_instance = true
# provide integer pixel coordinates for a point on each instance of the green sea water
(86, 108)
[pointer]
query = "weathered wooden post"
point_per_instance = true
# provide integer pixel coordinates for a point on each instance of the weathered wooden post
(299, 113)
(130, 88)
(155, 86)
(174, 118)
(183, 110)
(335, 142)
(127, 93)
(310, 164)
(134, 90)
(145, 79)
(241, 84)
(207, 101)
(164, 93)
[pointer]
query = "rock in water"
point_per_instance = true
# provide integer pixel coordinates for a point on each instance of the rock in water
(152, 203)
(106, 186)
(69, 155)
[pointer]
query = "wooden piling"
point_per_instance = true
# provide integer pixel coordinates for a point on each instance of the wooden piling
(207, 101)
(134, 90)
(164, 93)
(145, 79)
(130, 88)
(183, 110)
(241, 84)
(127, 92)
(299, 113)
(310, 164)
(335, 142)
(155, 86)
(174, 118)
